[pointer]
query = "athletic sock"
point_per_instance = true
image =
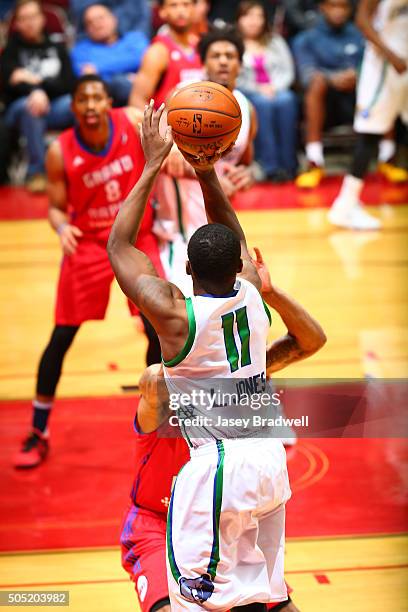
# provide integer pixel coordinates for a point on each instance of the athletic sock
(387, 149)
(42, 411)
(314, 153)
(350, 192)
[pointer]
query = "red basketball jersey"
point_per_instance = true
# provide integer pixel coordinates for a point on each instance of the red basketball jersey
(97, 183)
(158, 461)
(182, 67)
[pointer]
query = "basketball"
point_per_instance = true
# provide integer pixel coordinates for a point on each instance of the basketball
(205, 117)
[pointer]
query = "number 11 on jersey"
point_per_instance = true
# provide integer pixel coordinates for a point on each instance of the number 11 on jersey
(239, 317)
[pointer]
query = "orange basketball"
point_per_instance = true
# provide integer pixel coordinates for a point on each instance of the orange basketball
(205, 117)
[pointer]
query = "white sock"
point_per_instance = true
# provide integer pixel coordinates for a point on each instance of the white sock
(314, 153)
(350, 192)
(386, 150)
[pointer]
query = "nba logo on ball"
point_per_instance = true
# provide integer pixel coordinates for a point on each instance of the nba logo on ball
(197, 121)
(205, 118)
(142, 587)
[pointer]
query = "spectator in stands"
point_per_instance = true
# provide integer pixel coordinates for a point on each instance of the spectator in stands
(103, 51)
(37, 77)
(223, 12)
(171, 58)
(266, 76)
(132, 15)
(4, 151)
(300, 15)
(327, 57)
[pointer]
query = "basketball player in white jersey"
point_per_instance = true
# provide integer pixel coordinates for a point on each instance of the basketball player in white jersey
(382, 96)
(226, 516)
(180, 202)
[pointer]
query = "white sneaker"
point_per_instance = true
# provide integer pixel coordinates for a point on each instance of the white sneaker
(355, 218)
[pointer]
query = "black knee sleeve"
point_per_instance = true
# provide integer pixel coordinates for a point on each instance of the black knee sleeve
(366, 149)
(160, 604)
(153, 354)
(49, 370)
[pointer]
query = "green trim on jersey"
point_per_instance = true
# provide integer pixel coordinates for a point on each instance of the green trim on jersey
(169, 537)
(268, 312)
(244, 335)
(190, 339)
(233, 356)
(217, 501)
(171, 254)
(229, 340)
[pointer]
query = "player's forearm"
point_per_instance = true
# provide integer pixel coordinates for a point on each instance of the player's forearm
(57, 217)
(217, 205)
(364, 18)
(130, 215)
(305, 335)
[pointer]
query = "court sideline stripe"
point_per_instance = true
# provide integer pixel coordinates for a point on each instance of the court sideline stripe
(292, 572)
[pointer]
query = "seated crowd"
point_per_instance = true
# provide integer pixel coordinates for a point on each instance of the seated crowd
(299, 71)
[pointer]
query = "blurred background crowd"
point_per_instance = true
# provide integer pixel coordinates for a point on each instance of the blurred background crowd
(299, 71)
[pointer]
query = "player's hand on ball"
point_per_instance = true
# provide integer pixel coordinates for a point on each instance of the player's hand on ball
(155, 148)
(69, 235)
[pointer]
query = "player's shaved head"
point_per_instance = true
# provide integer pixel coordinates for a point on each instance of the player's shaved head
(214, 253)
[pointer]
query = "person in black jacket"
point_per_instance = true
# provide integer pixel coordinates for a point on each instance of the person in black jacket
(37, 77)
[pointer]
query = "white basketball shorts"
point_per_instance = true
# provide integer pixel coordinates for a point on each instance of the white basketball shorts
(226, 526)
(382, 95)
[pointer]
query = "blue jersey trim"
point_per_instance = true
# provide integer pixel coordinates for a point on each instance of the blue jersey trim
(107, 147)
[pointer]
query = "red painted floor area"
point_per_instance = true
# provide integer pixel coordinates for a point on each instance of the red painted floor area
(16, 203)
(78, 497)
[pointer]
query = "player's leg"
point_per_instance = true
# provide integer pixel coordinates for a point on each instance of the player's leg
(315, 116)
(143, 544)
(380, 97)
(82, 295)
(387, 165)
(346, 210)
(35, 448)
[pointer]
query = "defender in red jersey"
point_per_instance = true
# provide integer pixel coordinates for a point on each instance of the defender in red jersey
(91, 169)
(171, 58)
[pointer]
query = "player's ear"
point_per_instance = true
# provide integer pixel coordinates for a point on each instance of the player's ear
(110, 102)
(188, 268)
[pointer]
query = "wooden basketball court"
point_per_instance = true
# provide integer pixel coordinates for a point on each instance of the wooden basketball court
(347, 548)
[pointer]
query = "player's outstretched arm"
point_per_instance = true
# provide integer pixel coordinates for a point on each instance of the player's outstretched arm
(305, 335)
(133, 270)
(219, 210)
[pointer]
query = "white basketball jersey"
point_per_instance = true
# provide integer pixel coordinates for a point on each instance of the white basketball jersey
(223, 360)
(391, 21)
